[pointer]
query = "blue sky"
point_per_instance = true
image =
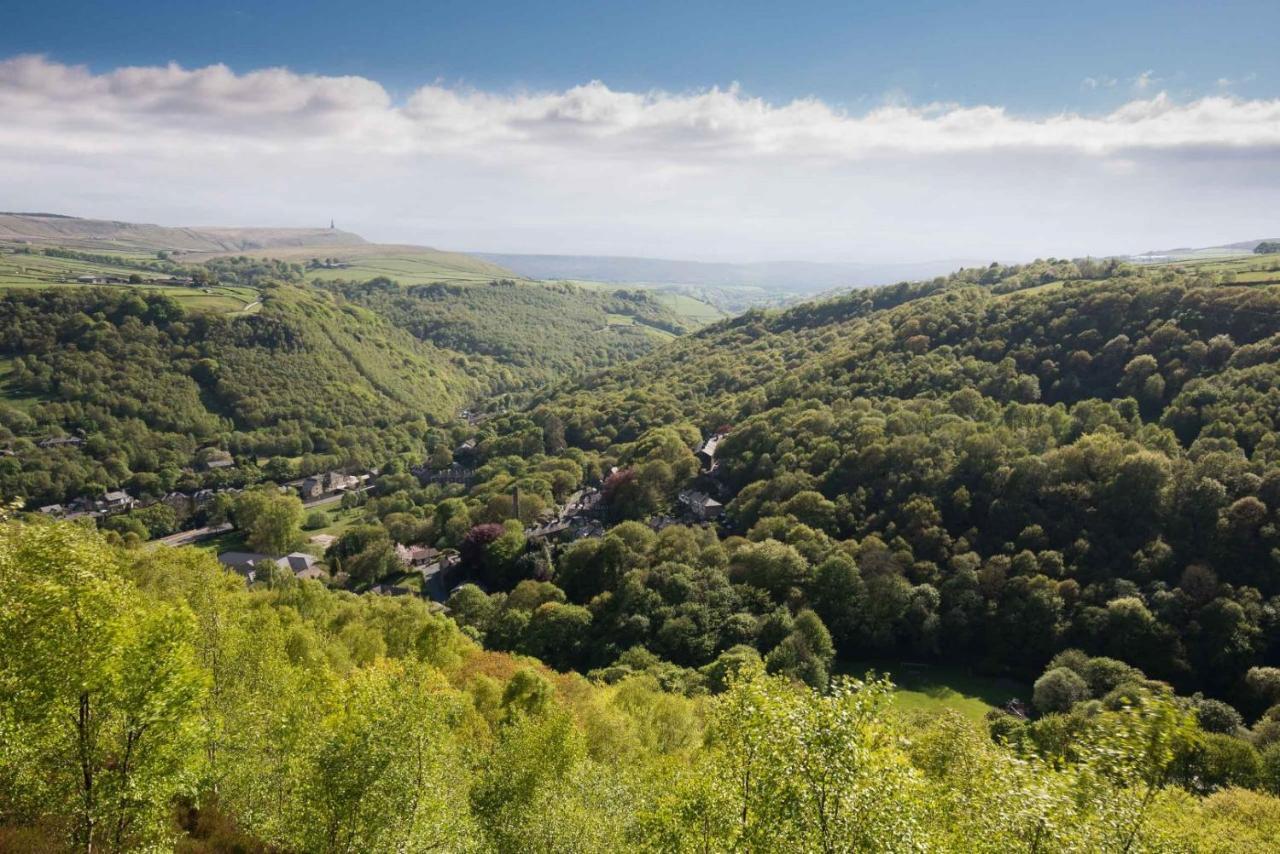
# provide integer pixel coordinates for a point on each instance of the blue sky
(718, 131)
(1029, 56)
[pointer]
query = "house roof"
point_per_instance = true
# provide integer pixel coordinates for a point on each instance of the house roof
(118, 495)
(237, 560)
(415, 554)
(297, 562)
(389, 590)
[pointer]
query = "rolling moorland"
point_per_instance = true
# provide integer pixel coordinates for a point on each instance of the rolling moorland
(1057, 481)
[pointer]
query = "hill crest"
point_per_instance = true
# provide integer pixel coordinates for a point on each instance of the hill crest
(82, 233)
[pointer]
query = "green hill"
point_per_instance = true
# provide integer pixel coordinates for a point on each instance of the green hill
(536, 334)
(148, 383)
(319, 375)
(984, 469)
(409, 265)
(97, 234)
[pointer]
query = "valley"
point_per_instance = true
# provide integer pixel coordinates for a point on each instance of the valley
(1039, 496)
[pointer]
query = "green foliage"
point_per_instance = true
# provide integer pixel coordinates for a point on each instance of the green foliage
(149, 384)
(985, 469)
(1058, 690)
(271, 521)
(100, 691)
(209, 715)
(536, 333)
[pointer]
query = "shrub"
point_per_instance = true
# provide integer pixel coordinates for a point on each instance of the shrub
(1059, 690)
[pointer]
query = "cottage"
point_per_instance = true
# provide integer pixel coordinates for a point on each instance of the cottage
(202, 497)
(118, 501)
(416, 555)
(311, 487)
(390, 590)
(466, 449)
(589, 503)
(707, 453)
(55, 510)
(547, 530)
(219, 463)
(700, 506)
(590, 528)
(439, 578)
(339, 482)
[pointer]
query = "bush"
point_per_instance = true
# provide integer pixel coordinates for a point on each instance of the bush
(316, 520)
(1216, 716)
(1059, 690)
(1220, 761)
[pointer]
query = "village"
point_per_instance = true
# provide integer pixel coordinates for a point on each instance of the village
(582, 514)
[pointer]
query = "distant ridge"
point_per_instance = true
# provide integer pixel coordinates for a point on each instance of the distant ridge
(1221, 249)
(112, 234)
(797, 277)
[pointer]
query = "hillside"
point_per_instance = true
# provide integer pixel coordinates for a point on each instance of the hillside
(319, 375)
(408, 265)
(1184, 253)
(539, 334)
(147, 383)
(985, 469)
(290, 718)
(108, 234)
(319, 253)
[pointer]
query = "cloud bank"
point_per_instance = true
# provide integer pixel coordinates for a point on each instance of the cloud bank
(705, 173)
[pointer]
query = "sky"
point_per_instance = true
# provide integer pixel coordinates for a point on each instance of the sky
(737, 131)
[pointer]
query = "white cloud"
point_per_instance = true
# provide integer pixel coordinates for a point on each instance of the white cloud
(1145, 81)
(594, 169)
(1228, 82)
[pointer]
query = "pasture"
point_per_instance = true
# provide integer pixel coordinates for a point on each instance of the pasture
(408, 265)
(935, 687)
(22, 270)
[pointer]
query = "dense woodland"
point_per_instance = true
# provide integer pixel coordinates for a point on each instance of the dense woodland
(1005, 468)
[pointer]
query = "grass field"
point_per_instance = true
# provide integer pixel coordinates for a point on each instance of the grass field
(1034, 289)
(694, 310)
(8, 396)
(408, 265)
(339, 521)
(619, 320)
(20, 270)
(1249, 269)
(934, 688)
